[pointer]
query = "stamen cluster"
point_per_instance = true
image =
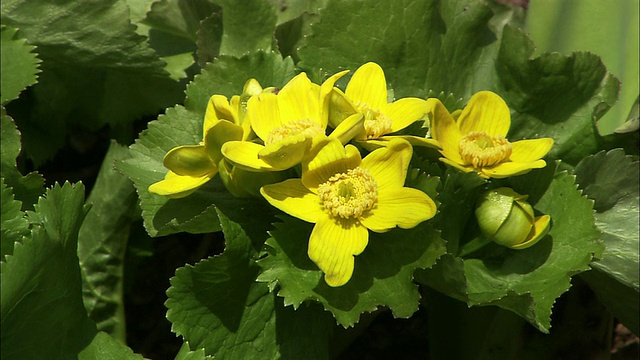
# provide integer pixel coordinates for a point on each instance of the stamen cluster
(350, 194)
(479, 149)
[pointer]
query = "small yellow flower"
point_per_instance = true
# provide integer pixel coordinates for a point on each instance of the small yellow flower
(476, 141)
(289, 124)
(367, 94)
(345, 196)
(191, 166)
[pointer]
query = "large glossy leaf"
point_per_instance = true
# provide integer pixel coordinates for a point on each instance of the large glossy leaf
(42, 312)
(383, 272)
(611, 179)
(13, 224)
(96, 70)
(218, 306)
(183, 126)
(102, 244)
(19, 65)
(554, 95)
(609, 29)
(527, 281)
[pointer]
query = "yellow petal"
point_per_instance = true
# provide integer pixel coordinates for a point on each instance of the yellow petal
(413, 140)
(326, 91)
(286, 153)
(293, 198)
(460, 166)
(333, 245)
(368, 85)
(444, 130)
(349, 128)
(300, 99)
(263, 114)
(244, 154)
(218, 108)
(403, 207)
(540, 227)
(220, 133)
(389, 164)
(486, 111)
(188, 160)
(340, 107)
(507, 169)
(332, 159)
(405, 112)
(176, 186)
(530, 150)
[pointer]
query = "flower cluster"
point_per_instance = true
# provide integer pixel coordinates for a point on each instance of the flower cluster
(338, 158)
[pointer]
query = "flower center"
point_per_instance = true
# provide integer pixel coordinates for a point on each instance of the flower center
(479, 149)
(349, 194)
(305, 127)
(376, 123)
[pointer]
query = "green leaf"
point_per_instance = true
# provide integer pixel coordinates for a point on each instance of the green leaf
(19, 65)
(611, 179)
(248, 26)
(383, 272)
(42, 312)
(217, 305)
(183, 126)
(608, 29)
(179, 17)
(186, 354)
(27, 188)
(554, 95)
(96, 70)
(527, 281)
(13, 224)
(422, 45)
(102, 244)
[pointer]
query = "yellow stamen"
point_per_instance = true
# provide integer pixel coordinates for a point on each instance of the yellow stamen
(349, 194)
(305, 127)
(480, 150)
(376, 123)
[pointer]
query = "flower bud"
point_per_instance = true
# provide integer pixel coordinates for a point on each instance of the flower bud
(243, 184)
(506, 218)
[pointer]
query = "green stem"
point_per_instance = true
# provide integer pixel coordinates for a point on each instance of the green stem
(474, 245)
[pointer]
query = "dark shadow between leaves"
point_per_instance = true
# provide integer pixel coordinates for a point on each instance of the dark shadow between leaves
(503, 261)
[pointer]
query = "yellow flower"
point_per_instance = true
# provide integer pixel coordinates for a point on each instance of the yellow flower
(191, 166)
(476, 140)
(366, 93)
(289, 124)
(345, 196)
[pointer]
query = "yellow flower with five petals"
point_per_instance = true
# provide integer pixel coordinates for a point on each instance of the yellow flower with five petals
(367, 94)
(476, 140)
(346, 196)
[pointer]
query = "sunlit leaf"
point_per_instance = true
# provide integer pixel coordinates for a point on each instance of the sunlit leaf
(527, 281)
(383, 272)
(19, 65)
(611, 179)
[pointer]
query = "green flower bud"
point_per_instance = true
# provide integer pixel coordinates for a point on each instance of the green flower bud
(506, 218)
(243, 183)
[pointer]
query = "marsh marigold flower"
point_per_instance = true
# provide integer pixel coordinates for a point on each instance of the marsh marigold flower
(191, 166)
(477, 141)
(367, 94)
(289, 125)
(346, 196)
